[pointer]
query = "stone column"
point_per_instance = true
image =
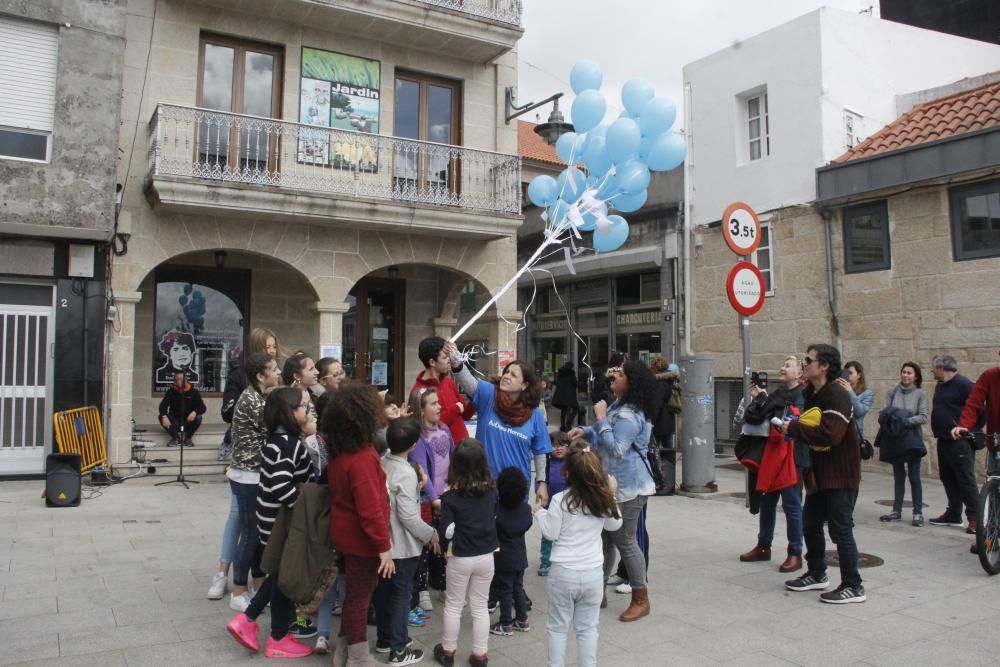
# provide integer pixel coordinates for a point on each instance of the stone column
(444, 326)
(502, 335)
(331, 322)
(121, 351)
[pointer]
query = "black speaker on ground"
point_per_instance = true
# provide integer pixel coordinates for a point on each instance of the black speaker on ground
(62, 480)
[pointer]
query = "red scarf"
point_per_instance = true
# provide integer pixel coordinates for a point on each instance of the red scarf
(511, 411)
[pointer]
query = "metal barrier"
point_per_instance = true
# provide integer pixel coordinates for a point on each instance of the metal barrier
(79, 431)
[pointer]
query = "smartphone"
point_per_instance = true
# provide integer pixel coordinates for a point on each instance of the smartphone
(759, 378)
(846, 374)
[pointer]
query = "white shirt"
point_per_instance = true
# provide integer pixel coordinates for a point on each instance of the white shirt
(575, 536)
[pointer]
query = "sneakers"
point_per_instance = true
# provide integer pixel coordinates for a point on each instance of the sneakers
(971, 528)
(615, 580)
(946, 520)
(502, 630)
(527, 602)
(891, 516)
(244, 631)
(444, 658)
(422, 613)
(338, 610)
(381, 647)
(218, 587)
(493, 605)
(918, 520)
(408, 656)
(322, 645)
(624, 588)
(425, 601)
(808, 582)
(543, 570)
(240, 602)
(302, 628)
(416, 620)
(521, 626)
(844, 594)
(286, 647)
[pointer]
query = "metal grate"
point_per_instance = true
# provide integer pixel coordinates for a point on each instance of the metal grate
(728, 392)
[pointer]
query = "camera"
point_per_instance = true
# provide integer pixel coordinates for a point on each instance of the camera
(759, 378)
(846, 374)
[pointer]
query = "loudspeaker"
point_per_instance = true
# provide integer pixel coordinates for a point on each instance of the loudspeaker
(62, 480)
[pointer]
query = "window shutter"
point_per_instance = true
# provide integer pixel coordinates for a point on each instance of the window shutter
(27, 74)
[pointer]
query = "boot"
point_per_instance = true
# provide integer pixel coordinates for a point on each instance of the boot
(604, 598)
(338, 656)
(758, 553)
(792, 563)
(638, 607)
(358, 656)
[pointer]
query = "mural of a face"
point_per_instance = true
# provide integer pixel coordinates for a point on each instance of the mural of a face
(180, 355)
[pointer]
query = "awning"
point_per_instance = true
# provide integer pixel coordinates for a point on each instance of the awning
(594, 266)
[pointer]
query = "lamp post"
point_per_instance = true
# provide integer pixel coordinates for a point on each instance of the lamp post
(549, 131)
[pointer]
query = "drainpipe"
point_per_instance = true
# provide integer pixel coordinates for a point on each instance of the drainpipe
(831, 291)
(688, 283)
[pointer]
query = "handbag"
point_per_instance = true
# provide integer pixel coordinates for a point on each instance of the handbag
(867, 449)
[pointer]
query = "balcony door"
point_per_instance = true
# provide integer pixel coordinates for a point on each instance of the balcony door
(239, 77)
(427, 109)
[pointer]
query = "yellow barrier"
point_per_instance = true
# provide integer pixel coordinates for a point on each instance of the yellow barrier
(79, 432)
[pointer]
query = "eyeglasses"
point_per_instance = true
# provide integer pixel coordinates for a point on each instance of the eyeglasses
(559, 445)
(807, 361)
(304, 405)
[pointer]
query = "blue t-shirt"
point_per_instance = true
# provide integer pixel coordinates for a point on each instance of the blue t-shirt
(508, 445)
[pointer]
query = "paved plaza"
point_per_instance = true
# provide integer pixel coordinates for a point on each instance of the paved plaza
(121, 580)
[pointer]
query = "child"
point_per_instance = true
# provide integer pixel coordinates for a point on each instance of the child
(468, 521)
(284, 463)
(409, 535)
(574, 521)
(510, 562)
(433, 454)
(554, 483)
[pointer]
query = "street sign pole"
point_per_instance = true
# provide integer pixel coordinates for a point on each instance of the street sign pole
(744, 324)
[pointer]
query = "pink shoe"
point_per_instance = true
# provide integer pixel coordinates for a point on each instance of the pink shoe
(244, 631)
(286, 647)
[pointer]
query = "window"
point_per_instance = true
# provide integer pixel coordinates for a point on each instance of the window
(763, 258)
(975, 220)
(28, 83)
(758, 127)
(238, 77)
(852, 129)
(637, 288)
(427, 109)
(866, 238)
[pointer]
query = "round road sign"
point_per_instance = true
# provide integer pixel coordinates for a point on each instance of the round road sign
(745, 288)
(741, 228)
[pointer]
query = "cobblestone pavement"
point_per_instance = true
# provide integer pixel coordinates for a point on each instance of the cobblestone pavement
(121, 580)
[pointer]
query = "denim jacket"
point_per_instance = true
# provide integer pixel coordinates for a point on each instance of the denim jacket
(613, 438)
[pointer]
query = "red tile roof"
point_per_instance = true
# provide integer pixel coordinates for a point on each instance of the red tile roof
(967, 111)
(530, 146)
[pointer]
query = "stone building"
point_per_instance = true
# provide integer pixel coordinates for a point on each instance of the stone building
(60, 77)
(338, 172)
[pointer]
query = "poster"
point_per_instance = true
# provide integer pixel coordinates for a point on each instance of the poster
(332, 351)
(504, 357)
(380, 373)
(341, 92)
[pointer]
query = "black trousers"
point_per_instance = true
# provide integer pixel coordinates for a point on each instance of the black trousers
(282, 609)
(957, 463)
(836, 508)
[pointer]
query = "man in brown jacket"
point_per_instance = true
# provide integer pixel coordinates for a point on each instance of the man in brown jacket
(836, 467)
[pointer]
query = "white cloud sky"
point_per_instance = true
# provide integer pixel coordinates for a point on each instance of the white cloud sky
(650, 39)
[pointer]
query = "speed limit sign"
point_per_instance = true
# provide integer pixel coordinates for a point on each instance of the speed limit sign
(741, 228)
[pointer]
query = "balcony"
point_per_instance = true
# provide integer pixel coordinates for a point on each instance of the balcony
(209, 161)
(477, 30)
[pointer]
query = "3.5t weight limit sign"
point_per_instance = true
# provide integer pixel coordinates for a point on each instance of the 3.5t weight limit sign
(741, 228)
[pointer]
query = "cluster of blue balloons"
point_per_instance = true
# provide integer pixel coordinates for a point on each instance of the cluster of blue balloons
(618, 157)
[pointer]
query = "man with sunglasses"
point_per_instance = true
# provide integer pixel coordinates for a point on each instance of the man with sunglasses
(836, 467)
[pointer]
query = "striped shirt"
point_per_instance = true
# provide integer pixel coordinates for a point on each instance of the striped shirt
(284, 463)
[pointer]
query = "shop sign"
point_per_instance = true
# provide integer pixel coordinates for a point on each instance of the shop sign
(550, 324)
(637, 318)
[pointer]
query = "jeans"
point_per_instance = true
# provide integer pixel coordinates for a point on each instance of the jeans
(333, 598)
(190, 427)
(835, 507)
(282, 609)
(791, 505)
(957, 462)
(574, 599)
(231, 533)
(510, 593)
(362, 573)
(246, 561)
(546, 554)
(624, 539)
(392, 603)
(468, 576)
(899, 472)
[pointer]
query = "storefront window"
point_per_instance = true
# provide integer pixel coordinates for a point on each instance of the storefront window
(638, 288)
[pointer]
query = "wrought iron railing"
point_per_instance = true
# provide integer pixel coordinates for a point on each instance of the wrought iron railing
(505, 11)
(220, 146)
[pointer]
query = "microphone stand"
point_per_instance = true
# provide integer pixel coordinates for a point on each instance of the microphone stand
(183, 444)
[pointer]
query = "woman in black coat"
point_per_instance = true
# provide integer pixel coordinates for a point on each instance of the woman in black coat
(565, 398)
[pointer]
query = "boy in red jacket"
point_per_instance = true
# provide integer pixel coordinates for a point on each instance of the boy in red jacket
(454, 408)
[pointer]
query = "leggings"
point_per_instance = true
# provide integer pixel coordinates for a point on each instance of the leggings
(282, 609)
(361, 573)
(231, 533)
(625, 540)
(248, 551)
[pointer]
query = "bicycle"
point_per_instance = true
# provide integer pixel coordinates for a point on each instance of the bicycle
(988, 510)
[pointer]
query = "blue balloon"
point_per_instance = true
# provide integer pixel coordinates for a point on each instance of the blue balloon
(623, 139)
(629, 203)
(542, 190)
(569, 147)
(646, 145)
(588, 110)
(558, 212)
(668, 152)
(590, 219)
(595, 156)
(599, 131)
(632, 177)
(585, 75)
(570, 185)
(609, 237)
(636, 93)
(657, 116)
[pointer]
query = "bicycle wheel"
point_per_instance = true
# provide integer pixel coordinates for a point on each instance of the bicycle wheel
(988, 526)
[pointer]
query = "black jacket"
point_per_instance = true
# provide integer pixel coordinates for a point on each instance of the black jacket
(565, 394)
(663, 419)
(775, 405)
(512, 524)
(171, 403)
(475, 523)
(236, 382)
